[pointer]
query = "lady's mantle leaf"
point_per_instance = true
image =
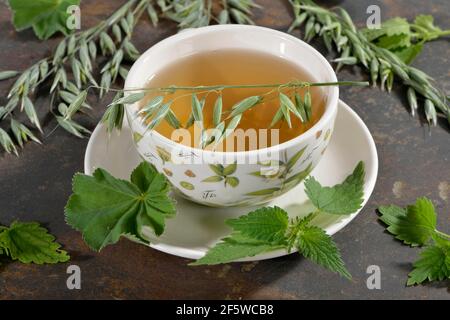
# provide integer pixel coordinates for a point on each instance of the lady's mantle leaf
(45, 16)
(31, 243)
(343, 198)
(104, 208)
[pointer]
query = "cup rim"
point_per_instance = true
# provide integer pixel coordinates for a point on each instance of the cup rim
(330, 107)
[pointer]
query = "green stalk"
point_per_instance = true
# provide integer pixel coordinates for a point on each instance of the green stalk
(442, 234)
(296, 84)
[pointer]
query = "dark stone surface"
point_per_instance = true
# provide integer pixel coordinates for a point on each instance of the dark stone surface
(413, 163)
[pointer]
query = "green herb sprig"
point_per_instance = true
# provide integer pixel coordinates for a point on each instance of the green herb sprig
(415, 226)
(338, 31)
(405, 39)
(269, 228)
(28, 242)
(158, 109)
(105, 209)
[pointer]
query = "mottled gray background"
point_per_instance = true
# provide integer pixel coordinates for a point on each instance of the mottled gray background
(413, 163)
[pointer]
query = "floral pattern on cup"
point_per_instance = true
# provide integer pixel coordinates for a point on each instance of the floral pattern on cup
(224, 174)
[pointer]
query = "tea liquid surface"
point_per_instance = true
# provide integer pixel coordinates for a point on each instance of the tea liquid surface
(235, 67)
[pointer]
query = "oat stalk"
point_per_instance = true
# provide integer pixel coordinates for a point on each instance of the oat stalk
(72, 66)
(158, 109)
(338, 31)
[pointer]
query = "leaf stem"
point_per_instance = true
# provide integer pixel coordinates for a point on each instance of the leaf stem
(294, 84)
(442, 234)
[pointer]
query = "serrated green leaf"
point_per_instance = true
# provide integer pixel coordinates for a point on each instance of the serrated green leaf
(345, 198)
(434, 264)
(45, 16)
(265, 224)
(315, 244)
(390, 215)
(407, 55)
(394, 42)
(426, 22)
(390, 27)
(413, 226)
(105, 208)
(233, 248)
(31, 243)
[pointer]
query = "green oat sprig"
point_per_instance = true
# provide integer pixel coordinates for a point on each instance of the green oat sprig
(71, 67)
(67, 71)
(338, 31)
(158, 109)
(199, 13)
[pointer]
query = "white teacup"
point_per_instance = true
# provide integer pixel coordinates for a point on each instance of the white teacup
(189, 170)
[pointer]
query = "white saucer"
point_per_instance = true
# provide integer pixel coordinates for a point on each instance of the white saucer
(196, 228)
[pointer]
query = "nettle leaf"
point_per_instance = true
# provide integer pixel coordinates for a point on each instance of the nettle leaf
(414, 225)
(391, 27)
(270, 228)
(407, 55)
(233, 248)
(426, 22)
(45, 16)
(345, 198)
(394, 42)
(316, 245)
(105, 208)
(31, 243)
(434, 264)
(264, 224)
